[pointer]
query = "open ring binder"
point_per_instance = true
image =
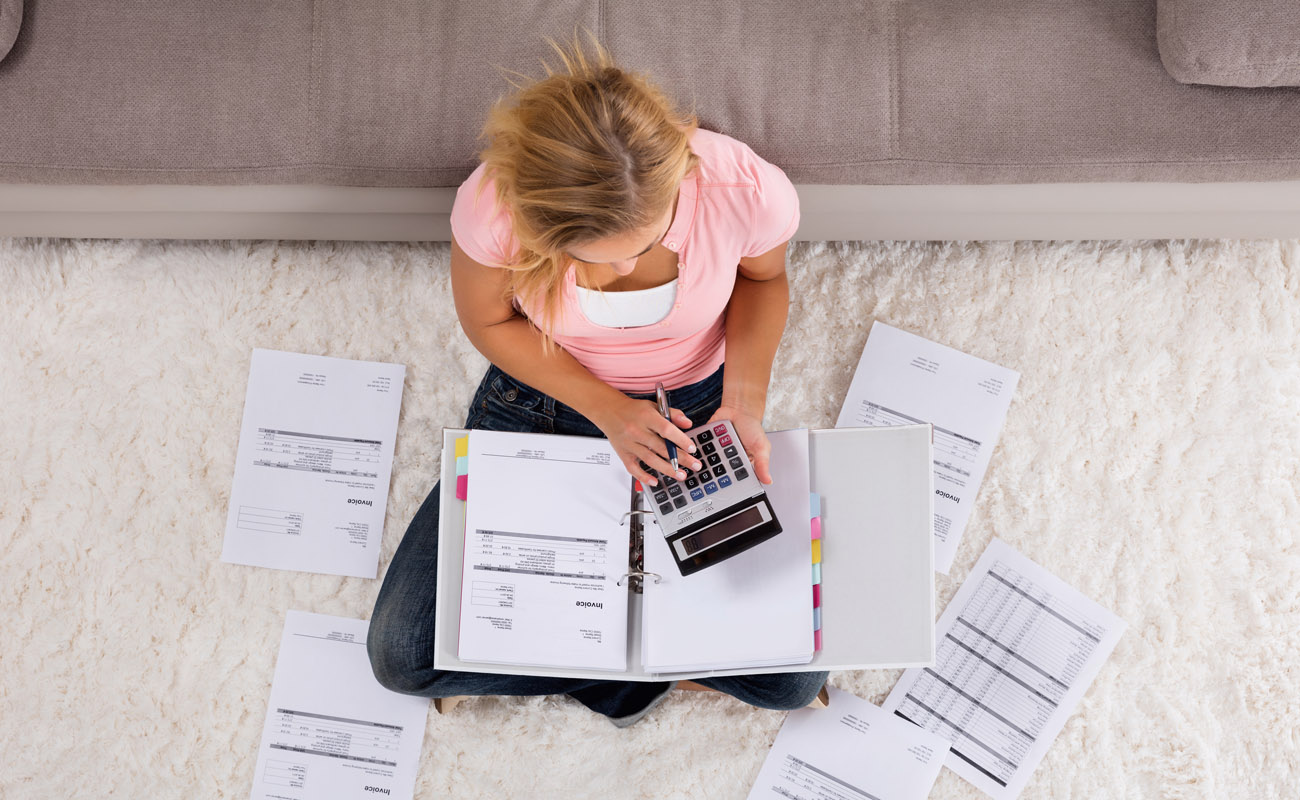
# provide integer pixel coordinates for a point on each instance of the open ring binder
(635, 579)
(629, 514)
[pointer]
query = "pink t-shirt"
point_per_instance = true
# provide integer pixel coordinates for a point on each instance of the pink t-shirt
(734, 205)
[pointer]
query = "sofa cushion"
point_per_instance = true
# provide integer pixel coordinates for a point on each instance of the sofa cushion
(11, 19)
(1240, 43)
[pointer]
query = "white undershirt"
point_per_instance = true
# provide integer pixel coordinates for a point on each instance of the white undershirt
(628, 309)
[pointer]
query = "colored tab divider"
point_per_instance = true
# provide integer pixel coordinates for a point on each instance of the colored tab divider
(815, 509)
(462, 468)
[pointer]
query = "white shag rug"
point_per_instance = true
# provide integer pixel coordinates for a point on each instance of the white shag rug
(1151, 458)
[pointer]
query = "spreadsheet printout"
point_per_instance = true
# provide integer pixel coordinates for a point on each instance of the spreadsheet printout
(1016, 650)
(851, 750)
(903, 379)
(331, 731)
(313, 466)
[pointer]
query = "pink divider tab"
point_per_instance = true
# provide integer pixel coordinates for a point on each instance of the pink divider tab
(817, 640)
(816, 527)
(817, 595)
(462, 487)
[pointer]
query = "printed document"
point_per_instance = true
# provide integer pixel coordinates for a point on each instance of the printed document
(903, 379)
(851, 750)
(1017, 649)
(545, 547)
(315, 457)
(332, 732)
(752, 610)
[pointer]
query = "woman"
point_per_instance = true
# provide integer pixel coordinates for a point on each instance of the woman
(603, 245)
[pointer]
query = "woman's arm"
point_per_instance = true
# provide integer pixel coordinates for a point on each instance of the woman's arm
(507, 339)
(756, 316)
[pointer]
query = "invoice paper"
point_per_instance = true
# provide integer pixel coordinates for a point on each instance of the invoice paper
(755, 608)
(315, 457)
(852, 750)
(1018, 648)
(903, 379)
(332, 732)
(545, 548)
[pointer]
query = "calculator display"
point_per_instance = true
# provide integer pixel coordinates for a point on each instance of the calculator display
(722, 530)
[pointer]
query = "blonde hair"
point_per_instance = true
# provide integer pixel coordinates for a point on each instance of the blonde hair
(586, 152)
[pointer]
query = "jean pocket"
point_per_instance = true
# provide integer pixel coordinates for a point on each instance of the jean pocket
(510, 406)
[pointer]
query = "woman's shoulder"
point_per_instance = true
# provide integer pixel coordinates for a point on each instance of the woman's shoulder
(481, 225)
(725, 160)
(752, 193)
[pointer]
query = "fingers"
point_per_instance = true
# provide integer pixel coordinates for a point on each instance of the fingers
(633, 466)
(760, 451)
(662, 465)
(761, 468)
(680, 419)
(672, 430)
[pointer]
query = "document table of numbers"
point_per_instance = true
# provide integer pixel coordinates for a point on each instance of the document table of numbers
(1016, 650)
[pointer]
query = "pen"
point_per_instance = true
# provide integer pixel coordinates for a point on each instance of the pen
(662, 397)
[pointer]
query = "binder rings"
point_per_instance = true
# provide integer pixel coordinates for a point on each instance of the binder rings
(876, 590)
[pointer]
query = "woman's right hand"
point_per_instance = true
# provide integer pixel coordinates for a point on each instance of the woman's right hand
(637, 430)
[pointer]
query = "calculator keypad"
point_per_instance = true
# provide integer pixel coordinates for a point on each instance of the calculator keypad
(723, 472)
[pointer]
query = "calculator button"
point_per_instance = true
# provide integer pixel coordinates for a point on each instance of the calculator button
(724, 440)
(724, 481)
(661, 497)
(741, 474)
(730, 451)
(675, 491)
(705, 476)
(692, 482)
(697, 494)
(736, 463)
(710, 487)
(680, 502)
(703, 436)
(708, 448)
(714, 459)
(669, 480)
(666, 508)
(720, 429)
(719, 471)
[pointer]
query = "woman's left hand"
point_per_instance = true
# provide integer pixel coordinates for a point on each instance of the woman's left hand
(752, 437)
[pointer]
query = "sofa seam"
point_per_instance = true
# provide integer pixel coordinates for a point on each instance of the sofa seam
(783, 165)
(313, 64)
(894, 100)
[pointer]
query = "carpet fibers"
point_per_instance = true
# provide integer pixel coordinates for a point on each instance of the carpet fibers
(1151, 458)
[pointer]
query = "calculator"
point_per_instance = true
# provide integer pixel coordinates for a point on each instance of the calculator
(717, 512)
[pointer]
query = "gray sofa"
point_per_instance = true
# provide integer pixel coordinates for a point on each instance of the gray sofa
(896, 118)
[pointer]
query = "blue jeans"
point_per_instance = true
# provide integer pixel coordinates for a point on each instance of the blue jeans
(400, 641)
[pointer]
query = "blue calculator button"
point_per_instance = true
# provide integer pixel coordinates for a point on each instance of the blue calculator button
(710, 487)
(724, 481)
(697, 494)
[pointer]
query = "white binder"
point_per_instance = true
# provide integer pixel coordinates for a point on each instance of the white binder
(877, 590)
